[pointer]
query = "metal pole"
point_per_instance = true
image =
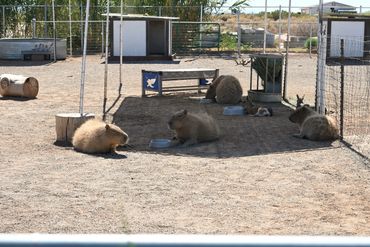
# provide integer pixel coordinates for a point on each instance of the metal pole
(341, 87)
(310, 40)
(46, 19)
(320, 66)
(279, 27)
(106, 60)
(265, 29)
(287, 53)
(4, 21)
(83, 65)
(120, 50)
(201, 13)
(70, 27)
(200, 26)
(54, 32)
(239, 32)
(102, 39)
(81, 26)
(33, 28)
(360, 9)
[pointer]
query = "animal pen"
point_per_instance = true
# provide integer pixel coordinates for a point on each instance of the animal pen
(343, 79)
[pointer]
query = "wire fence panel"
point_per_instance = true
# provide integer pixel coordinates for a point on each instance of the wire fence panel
(195, 37)
(347, 90)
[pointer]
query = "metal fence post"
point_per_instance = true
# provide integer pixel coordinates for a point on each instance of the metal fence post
(265, 29)
(4, 21)
(81, 25)
(287, 53)
(102, 39)
(239, 33)
(46, 20)
(341, 88)
(310, 40)
(279, 27)
(70, 27)
(54, 32)
(33, 28)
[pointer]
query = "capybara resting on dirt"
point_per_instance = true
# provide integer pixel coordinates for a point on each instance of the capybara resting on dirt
(255, 110)
(225, 89)
(314, 126)
(191, 128)
(95, 136)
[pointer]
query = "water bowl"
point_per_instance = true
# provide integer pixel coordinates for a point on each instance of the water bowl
(160, 143)
(236, 110)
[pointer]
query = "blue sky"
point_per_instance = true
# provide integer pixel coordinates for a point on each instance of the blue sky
(304, 3)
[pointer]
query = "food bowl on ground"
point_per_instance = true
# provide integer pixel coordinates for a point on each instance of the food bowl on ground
(160, 143)
(234, 110)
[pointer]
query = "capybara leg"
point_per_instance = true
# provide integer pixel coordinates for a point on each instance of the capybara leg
(299, 135)
(113, 150)
(175, 142)
(189, 142)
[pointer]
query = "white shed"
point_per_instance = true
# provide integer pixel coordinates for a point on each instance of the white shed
(354, 30)
(144, 37)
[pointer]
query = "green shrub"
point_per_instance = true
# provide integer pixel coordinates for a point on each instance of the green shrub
(313, 41)
(229, 42)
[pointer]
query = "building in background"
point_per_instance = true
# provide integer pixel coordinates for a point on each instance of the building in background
(330, 7)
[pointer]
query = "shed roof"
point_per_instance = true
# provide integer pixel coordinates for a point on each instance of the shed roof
(141, 17)
(333, 4)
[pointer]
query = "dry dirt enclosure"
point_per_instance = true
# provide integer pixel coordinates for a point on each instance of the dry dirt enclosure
(257, 179)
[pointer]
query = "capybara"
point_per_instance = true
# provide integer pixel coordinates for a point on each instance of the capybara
(225, 89)
(255, 110)
(96, 136)
(192, 128)
(314, 126)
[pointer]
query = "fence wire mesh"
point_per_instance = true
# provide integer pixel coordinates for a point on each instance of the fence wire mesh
(347, 90)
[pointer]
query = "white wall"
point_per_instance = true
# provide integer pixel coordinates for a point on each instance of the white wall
(353, 33)
(134, 38)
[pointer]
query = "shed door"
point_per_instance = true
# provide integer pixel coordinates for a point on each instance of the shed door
(134, 38)
(157, 37)
(352, 32)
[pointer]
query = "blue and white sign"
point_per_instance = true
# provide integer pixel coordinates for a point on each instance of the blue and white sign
(151, 81)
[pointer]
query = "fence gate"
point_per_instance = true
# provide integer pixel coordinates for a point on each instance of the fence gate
(343, 88)
(195, 37)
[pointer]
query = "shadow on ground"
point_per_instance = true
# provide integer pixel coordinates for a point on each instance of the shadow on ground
(146, 118)
(22, 63)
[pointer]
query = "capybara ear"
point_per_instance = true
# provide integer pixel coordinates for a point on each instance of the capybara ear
(107, 127)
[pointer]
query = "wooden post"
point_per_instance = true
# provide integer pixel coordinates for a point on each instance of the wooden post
(67, 123)
(18, 85)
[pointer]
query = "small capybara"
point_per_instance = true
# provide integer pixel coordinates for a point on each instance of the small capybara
(225, 89)
(314, 126)
(192, 128)
(96, 136)
(255, 110)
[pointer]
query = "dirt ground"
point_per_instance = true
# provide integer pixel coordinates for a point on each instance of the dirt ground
(257, 179)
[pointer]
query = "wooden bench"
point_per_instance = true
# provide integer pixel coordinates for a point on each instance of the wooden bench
(152, 79)
(36, 55)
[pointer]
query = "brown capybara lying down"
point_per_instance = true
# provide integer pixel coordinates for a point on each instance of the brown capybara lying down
(96, 136)
(225, 89)
(314, 126)
(192, 128)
